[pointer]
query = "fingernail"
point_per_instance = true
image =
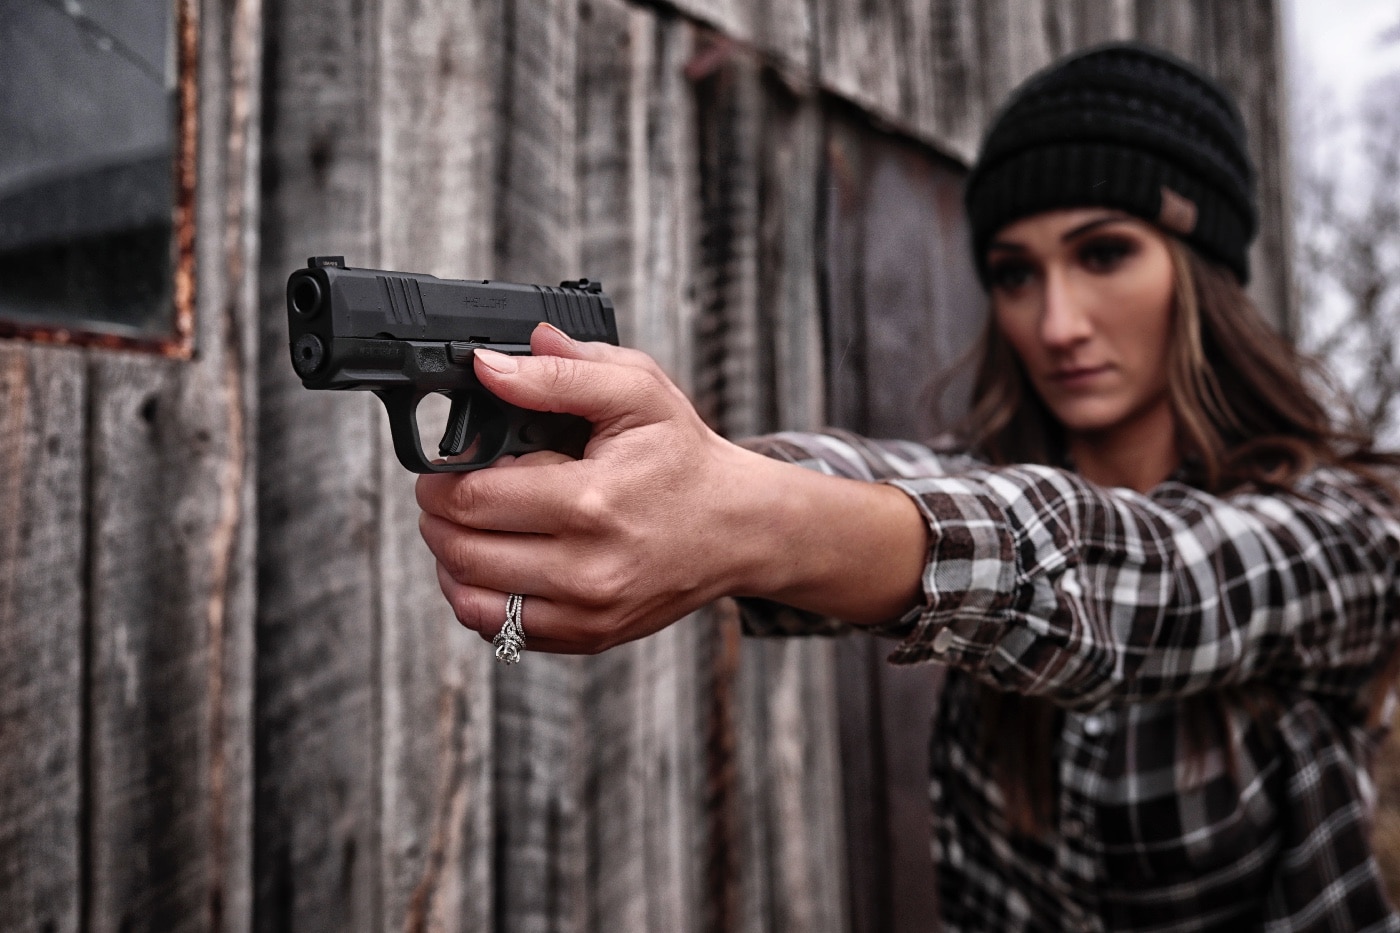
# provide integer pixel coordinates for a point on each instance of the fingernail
(557, 331)
(500, 362)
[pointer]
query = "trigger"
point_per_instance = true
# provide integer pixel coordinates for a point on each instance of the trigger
(458, 434)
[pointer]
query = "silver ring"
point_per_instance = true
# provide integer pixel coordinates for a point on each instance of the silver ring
(510, 640)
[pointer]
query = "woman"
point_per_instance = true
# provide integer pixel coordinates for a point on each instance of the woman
(1163, 583)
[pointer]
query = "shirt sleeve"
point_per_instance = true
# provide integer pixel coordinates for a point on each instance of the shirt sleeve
(840, 453)
(1042, 583)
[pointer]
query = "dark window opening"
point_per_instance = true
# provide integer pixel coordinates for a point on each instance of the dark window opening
(93, 193)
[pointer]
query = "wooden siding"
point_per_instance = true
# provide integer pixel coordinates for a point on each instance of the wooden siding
(240, 700)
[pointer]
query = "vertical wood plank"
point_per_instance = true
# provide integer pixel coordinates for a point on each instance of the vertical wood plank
(902, 287)
(789, 743)
(147, 703)
(843, 277)
(923, 307)
(663, 319)
(759, 151)
(670, 669)
(170, 560)
(730, 393)
(616, 55)
(1094, 21)
(437, 124)
(1170, 26)
(868, 851)
(794, 877)
(1014, 45)
(924, 311)
(537, 197)
(960, 109)
(232, 32)
(789, 299)
(1249, 42)
(763, 824)
(860, 54)
(317, 800)
(43, 462)
(538, 775)
(639, 699)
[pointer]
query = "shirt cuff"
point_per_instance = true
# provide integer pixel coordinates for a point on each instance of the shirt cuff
(969, 580)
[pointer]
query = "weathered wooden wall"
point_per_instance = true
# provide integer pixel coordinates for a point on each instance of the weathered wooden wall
(230, 693)
(127, 592)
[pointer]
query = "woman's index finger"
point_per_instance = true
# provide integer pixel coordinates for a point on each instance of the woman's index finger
(533, 497)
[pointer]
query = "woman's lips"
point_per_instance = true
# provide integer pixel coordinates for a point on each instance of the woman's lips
(1072, 377)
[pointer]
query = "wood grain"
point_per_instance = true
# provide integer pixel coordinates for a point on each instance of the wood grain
(663, 318)
(538, 775)
(729, 391)
(437, 121)
(903, 297)
(43, 543)
(170, 592)
(149, 754)
(1090, 22)
(645, 769)
(861, 53)
(207, 570)
(318, 632)
(960, 109)
(788, 740)
(791, 166)
(784, 30)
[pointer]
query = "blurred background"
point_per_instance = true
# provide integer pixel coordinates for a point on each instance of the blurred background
(231, 696)
(1344, 89)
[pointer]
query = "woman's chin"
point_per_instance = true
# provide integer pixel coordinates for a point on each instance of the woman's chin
(1088, 417)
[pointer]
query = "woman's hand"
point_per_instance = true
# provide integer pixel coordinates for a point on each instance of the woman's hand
(608, 548)
(660, 516)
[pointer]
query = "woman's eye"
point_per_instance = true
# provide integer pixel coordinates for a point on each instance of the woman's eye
(1009, 276)
(1105, 255)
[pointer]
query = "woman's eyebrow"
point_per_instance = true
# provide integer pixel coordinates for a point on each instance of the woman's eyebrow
(1089, 225)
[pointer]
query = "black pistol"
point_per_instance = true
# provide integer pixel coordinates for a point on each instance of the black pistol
(404, 335)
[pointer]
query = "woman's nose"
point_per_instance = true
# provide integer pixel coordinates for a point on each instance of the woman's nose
(1063, 321)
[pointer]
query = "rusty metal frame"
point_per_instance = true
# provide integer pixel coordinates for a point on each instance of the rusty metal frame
(180, 343)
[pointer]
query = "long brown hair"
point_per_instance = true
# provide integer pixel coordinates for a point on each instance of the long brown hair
(1247, 412)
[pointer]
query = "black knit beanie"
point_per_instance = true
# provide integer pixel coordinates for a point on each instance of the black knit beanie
(1125, 126)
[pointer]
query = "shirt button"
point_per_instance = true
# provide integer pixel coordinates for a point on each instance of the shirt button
(1094, 726)
(943, 640)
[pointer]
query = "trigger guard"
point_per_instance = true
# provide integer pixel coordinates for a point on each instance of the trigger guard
(402, 407)
(504, 433)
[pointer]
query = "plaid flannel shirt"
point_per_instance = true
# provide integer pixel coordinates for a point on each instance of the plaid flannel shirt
(1119, 607)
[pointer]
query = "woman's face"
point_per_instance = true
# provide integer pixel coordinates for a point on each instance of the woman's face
(1084, 297)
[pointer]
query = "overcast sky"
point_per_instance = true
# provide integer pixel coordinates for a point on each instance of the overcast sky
(1334, 49)
(1336, 42)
